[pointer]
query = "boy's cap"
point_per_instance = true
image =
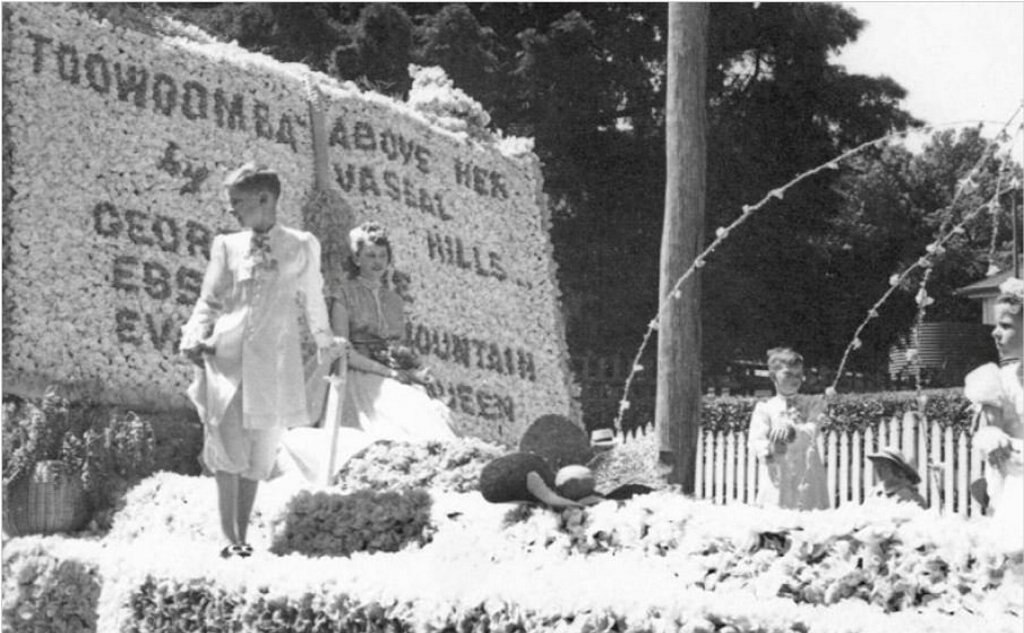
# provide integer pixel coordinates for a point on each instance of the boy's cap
(896, 458)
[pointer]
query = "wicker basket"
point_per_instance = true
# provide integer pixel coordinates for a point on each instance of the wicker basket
(46, 501)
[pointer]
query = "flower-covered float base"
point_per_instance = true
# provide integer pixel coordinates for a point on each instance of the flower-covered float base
(653, 563)
(423, 591)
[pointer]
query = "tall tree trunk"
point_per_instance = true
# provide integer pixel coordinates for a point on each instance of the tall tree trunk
(677, 406)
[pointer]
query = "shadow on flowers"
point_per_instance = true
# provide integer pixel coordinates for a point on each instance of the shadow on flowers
(332, 524)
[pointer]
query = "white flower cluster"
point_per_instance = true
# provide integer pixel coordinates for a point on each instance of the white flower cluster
(434, 94)
(119, 143)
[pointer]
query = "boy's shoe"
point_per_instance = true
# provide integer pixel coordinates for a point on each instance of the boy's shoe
(243, 550)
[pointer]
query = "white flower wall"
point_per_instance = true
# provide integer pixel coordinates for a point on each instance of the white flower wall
(118, 143)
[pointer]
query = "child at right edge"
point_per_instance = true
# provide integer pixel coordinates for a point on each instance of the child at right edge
(784, 436)
(997, 393)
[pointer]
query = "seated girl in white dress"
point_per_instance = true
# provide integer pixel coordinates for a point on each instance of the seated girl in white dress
(384, 398)
(784, 436)
(998, 394)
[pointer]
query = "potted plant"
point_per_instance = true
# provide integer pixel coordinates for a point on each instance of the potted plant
(64, 462)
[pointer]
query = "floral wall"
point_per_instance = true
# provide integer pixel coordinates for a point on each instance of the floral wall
(116, 143)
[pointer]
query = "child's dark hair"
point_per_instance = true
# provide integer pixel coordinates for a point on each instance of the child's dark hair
(784, 358)
(252, 177)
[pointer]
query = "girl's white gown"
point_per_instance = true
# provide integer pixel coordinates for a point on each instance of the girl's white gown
(373, 407)
(998, 392)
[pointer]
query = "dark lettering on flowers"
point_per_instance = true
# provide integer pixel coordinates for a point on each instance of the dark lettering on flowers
(126, 325)
(261, 115)
(131, 82)
(188, 282)
(362, 135)
(67, 63)
(475, 401)
(124, 270)
(482, 181)
(163, 331)
(165, 231)
(163, 92)
(452, 251)
(365, 180)
(193, 100)
(97, 73)
(136, 227)
(471, 352)
(230, 115)
(106, 220)
(157, 280)
(173, 163)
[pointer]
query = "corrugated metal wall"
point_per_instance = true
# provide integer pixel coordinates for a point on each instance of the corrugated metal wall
(947, 351)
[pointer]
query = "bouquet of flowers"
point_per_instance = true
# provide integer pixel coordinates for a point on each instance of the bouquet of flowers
(401, 358)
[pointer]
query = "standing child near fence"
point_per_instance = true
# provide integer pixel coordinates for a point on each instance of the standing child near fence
(784, 436)
(998, 395)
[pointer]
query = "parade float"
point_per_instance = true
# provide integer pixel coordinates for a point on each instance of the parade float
(116, 138)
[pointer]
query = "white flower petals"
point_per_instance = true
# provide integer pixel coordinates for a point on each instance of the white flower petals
(857, 568)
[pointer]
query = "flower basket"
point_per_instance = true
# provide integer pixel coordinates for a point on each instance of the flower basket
(47, 501)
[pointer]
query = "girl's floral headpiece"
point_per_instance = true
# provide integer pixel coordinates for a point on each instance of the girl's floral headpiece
(366, 233)
(1013, 286)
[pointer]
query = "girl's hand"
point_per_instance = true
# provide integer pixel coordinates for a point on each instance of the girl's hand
(988, 439)
(995, 445)
(421, 376)
(779, 447)
(400, 376)
(998, 458)
(196, 355)
(782, 432)
(337, 348)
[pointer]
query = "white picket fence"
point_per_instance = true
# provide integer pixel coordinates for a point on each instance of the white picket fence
(727, 471)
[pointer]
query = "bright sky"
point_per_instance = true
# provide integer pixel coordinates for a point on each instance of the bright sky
(957, 60)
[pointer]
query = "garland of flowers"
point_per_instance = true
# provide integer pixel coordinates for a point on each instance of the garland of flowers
(922, 298)
(721, 233)
(932, 251)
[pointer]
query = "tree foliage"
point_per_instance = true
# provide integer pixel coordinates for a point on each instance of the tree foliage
(894, 203)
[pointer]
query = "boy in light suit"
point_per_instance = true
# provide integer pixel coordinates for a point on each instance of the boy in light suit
(244, 336)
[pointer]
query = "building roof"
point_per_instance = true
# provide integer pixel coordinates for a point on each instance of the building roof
(987, 287)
